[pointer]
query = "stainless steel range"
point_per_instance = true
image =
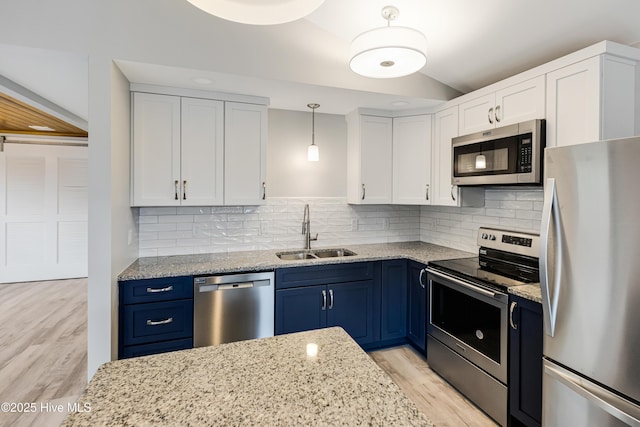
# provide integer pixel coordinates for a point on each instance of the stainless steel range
(467, 328)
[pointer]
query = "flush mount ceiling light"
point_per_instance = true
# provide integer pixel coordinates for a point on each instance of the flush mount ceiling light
(258, 12)
(313, 155)
(387, 52)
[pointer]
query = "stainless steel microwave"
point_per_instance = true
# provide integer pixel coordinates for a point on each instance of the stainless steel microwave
(506, 155)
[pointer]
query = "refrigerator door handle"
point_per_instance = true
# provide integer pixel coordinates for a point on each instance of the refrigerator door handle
(550, 293)
(614, 405)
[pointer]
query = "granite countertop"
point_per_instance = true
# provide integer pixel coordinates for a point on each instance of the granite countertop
(233, 262)
(270, 381)
(215, 263)
(531, 292)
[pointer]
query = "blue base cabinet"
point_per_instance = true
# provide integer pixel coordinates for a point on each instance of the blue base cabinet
(394, 300)
(525, 362)
(346, 295)
(155, 316)
(417, 306)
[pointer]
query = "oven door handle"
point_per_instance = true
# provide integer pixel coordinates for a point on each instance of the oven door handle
(469, 286)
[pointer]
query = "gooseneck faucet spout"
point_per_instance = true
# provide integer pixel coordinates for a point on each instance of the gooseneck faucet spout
(306, 228)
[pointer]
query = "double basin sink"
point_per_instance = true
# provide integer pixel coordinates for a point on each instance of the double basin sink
(314, 254)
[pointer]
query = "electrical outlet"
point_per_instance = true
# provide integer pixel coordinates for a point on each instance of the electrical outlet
(130, 237)
(385, 223)
(354, 224)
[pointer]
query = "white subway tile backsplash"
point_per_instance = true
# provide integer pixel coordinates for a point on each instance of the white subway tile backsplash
(504, 208)
(278, 224)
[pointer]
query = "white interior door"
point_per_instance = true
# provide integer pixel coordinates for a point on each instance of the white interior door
(43, 212)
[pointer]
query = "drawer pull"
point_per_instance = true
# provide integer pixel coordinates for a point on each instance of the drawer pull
(156, 290)
(159, 322)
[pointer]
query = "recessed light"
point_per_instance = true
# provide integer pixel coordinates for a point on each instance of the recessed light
(202, 80)
(42, 128)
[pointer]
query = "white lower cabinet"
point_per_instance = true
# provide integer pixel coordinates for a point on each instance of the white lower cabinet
(197, 152)
(592, 100)
(412, 160)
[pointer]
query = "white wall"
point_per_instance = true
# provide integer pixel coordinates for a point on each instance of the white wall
(289, 173)
(110, 217)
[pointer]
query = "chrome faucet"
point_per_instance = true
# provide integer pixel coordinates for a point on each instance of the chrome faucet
(306, 228)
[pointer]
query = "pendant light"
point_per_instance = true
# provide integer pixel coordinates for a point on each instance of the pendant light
(387, 52)
(481, 161)
(313, 155)
(258, 12)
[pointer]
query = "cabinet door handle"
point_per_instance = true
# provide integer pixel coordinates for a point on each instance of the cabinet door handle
(156, 290)
(496, 114)
(422, 272)
(264, 190)
(452, 195)
(364, 191)
(184, 190)
(159, 322)
(330, 299)
(427, 192)
(176, 189)
(512, 307)
(324, 300)
(490, 114)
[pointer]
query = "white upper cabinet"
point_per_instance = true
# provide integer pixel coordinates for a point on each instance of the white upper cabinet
(245, 154)
(197, 152)
(516, 103)
(412, 160)
(369, 163)
(445, 128)
(592, 100)
(202, 152)
(155, 161)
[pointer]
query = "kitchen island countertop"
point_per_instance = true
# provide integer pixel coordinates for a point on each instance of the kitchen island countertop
(270, 381)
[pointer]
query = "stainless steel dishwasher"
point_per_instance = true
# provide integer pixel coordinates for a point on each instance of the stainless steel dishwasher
(232, 307)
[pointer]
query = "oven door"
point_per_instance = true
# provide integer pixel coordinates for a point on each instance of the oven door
(470, 320)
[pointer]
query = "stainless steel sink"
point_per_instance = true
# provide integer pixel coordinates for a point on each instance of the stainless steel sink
(314, 254)
(332, 253)
(292, 256)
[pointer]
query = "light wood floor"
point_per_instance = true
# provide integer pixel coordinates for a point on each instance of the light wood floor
(43, 348)
(43, 358)
(442, 404)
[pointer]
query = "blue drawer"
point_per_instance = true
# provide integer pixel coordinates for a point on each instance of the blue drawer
(156, 347)
(152, 290)
(158, 321)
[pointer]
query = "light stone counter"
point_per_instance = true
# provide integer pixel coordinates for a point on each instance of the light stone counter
(267, 382)
(216, 263)
(531, 292)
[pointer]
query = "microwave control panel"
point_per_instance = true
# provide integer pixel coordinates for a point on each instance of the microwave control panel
(525, 153)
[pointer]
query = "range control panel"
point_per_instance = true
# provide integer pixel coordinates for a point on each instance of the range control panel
(520, 242)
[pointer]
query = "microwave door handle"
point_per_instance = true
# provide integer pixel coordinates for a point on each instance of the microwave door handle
(550, 292)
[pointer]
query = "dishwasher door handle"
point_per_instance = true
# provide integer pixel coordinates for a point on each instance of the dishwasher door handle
(225, 287)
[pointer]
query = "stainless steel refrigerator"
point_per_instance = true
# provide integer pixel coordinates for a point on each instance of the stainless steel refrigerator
(590, 282)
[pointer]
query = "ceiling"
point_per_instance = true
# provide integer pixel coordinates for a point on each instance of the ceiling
(471, 44)
(17, 117)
